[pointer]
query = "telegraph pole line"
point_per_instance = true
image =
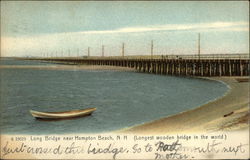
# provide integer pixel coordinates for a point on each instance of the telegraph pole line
(152, 48)
(199, 47)
(102, 50)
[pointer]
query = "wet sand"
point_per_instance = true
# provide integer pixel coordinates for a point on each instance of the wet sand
(227, 113)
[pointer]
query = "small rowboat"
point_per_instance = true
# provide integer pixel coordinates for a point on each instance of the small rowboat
(62, 115)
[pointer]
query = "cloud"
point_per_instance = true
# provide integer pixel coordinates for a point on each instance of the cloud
(221, 26)
(201, 27)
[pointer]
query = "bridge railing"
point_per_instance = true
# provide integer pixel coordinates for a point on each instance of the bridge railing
(191, 56)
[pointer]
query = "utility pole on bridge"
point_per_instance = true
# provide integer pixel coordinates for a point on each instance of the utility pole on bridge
(69, 52)
(102, 50)
(152, 48)
(199, 47)
(88, 51)
(77, 52)
(123, 46)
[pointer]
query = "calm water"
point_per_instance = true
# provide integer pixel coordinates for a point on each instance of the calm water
(122, 99)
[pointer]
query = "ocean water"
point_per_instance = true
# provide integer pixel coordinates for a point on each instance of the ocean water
(122, 99)
(10, 61)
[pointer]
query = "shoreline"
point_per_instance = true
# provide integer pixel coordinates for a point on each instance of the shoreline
(227, 113)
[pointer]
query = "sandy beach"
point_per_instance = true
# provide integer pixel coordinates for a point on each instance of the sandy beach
(227, 113)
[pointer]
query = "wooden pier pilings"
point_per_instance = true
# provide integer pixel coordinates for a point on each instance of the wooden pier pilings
(179, 67)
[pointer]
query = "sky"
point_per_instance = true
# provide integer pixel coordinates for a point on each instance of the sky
(68, 28)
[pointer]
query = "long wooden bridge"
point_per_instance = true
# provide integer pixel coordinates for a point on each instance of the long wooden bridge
(178, 67)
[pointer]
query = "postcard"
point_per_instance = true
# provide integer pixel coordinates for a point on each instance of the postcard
(124, 80)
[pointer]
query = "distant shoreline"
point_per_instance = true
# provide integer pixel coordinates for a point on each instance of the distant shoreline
(67, 67)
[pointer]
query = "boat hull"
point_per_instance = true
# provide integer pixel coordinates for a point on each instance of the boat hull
(62, 115)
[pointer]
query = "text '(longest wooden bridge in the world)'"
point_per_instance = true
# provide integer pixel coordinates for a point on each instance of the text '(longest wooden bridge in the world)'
(167, 66)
